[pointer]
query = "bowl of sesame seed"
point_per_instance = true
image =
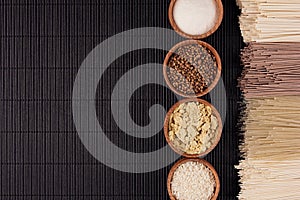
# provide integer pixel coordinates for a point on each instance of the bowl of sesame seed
(193, 179)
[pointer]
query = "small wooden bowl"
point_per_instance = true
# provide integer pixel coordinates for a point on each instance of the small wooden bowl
(189, 42)
(220, 14)
(204, 162)
(219, 130)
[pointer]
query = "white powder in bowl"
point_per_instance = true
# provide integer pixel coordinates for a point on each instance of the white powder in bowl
(193, 181)
(195, 17)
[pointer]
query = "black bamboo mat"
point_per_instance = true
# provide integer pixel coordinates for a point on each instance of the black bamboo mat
(42, 45)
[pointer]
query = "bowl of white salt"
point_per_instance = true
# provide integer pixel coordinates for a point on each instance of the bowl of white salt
(195, 19)
(193, 179)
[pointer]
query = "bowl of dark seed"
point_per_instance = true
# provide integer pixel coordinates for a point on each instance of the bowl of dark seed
(192, 68)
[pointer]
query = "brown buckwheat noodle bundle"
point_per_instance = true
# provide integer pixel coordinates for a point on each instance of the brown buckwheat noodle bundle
(270, 69)
(270, 20)
(270, 168)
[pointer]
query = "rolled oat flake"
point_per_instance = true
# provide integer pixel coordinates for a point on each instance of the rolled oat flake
(195, 17)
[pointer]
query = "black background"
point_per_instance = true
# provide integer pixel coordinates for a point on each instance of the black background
(42, 44)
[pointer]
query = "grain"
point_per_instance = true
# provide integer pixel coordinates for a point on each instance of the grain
(193, 127)
(193, 181)
(192, 69)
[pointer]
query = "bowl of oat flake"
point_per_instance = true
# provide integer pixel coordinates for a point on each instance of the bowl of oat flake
(193, 127)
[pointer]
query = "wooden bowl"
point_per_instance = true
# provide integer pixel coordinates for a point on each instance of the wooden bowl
(219, 130)
(204, 162)
(220, 14)
(185, 43)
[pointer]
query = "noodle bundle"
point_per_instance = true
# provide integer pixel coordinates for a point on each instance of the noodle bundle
(271, 69)
(270, 20)
(270, 168)
(270, 111)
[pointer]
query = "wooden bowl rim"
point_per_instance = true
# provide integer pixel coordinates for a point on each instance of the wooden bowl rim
(220, 12)
(219, 130)
(185, 43)
(185, 160)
